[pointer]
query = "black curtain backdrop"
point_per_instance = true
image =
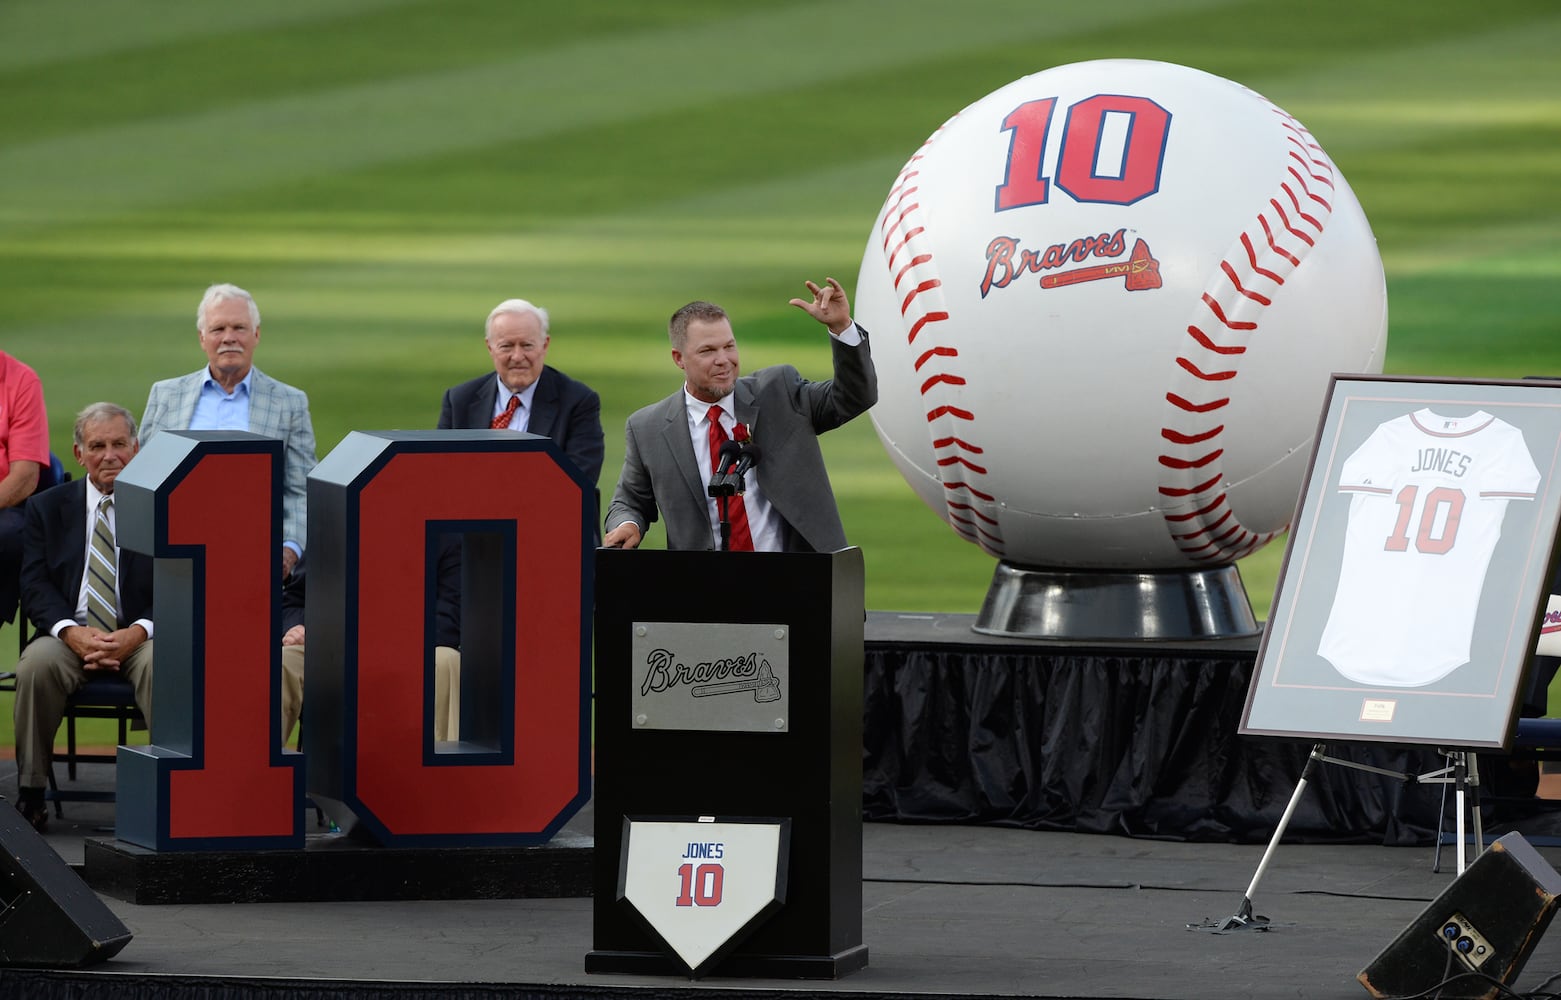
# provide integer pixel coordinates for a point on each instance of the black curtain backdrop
(1137, 741)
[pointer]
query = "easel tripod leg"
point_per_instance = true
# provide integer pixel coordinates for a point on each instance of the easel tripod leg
(1244, 916)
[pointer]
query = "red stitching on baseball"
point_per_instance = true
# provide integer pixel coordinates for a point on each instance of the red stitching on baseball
(1246, 241)
(914, 261)
(1210, 345)
(927, 285)
(1219, 314)
(904, 178)
(1196, 372)
(1203, 531)
(973, 491)
(1191, 407)
(966, 506)
(908, 237)
(945, 352)
(1230, 272)
(961, 460)
(1292, 258)
(1295, 203)
(1290, 228)
(1203, 487)
(932, 317)
(1222, 545)
(1194, 463)
(941, 378)
(907, 210)
(900, 214)
(1236, 530)
(1197, 513)
(1306, 165)
(1307, 187)
(1177, 437)
(1320, 161)
(904, 194)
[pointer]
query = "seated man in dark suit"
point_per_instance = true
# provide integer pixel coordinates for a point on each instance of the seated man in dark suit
(447, 646)
(523, 394)
(91, 600)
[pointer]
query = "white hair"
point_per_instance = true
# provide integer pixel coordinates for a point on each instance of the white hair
(520, 307)
(221, 293)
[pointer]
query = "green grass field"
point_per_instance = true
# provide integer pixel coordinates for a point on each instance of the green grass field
(381, 172)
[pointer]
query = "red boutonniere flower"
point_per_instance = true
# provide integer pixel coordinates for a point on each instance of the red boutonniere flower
(740, 434)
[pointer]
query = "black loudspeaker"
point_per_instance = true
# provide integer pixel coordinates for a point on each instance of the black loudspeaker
(48, 916)
(1487, 921)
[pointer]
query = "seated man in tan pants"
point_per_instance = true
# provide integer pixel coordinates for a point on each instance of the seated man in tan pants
(447, 649)
(91, 600)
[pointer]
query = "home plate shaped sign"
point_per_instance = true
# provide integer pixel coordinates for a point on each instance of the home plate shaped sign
(700, 885)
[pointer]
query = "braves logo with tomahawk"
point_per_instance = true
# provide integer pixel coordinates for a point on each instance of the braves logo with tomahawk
(1428, 497)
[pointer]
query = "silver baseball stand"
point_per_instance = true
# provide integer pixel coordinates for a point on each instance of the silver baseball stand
(1462, 771)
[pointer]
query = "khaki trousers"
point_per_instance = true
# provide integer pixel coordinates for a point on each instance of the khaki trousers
(447, 691)
(47, 674)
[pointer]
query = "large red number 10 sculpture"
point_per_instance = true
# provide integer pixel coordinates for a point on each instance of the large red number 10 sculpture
(381, 508)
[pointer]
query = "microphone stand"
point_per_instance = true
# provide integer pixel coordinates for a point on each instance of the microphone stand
(726, 524)
(722, 486)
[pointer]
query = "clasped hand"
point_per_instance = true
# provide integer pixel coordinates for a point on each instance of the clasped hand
(100, 650)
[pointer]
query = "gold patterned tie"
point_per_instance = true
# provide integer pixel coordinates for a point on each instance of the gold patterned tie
(102, 604)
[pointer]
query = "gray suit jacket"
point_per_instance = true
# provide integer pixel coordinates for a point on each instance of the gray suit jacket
(786, 414)
(276, 410)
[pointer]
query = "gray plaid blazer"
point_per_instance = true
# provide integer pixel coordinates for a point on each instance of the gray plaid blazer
(276, 410)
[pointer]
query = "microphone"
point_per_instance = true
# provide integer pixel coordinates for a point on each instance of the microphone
(722, 482)
(749, 458)
(724, 459)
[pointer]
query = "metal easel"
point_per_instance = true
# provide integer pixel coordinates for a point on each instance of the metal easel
(1462, 772)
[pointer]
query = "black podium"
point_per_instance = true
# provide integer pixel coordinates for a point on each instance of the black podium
(729, 687)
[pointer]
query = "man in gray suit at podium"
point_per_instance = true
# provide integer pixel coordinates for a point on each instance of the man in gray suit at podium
(230, 394)
(772, 417)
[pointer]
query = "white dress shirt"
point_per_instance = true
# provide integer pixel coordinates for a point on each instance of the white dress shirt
(94, 497)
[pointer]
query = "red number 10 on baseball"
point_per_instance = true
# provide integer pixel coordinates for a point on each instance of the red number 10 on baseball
(1096, 128)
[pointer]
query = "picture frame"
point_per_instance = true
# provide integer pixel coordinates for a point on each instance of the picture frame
(1418, 565)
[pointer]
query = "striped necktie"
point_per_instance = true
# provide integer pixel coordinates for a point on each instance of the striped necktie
(102, 571)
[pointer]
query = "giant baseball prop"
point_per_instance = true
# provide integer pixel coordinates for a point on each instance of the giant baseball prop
(1106, 300)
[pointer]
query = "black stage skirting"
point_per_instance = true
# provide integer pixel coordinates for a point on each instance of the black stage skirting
(1127, 738)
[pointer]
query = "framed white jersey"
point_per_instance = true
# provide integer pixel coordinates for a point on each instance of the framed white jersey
(1428, 497)
(1418, 566)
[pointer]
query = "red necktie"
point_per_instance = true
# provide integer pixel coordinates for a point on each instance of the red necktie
(736, 513)
(502, 420)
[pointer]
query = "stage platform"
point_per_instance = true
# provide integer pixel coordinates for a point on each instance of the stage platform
(949, 910)
(1026, 763)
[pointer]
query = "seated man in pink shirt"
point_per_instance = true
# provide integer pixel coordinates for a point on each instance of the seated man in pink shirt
(24, 456)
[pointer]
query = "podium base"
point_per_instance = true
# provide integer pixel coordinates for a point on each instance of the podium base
(1029, 603)
(654, 963)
